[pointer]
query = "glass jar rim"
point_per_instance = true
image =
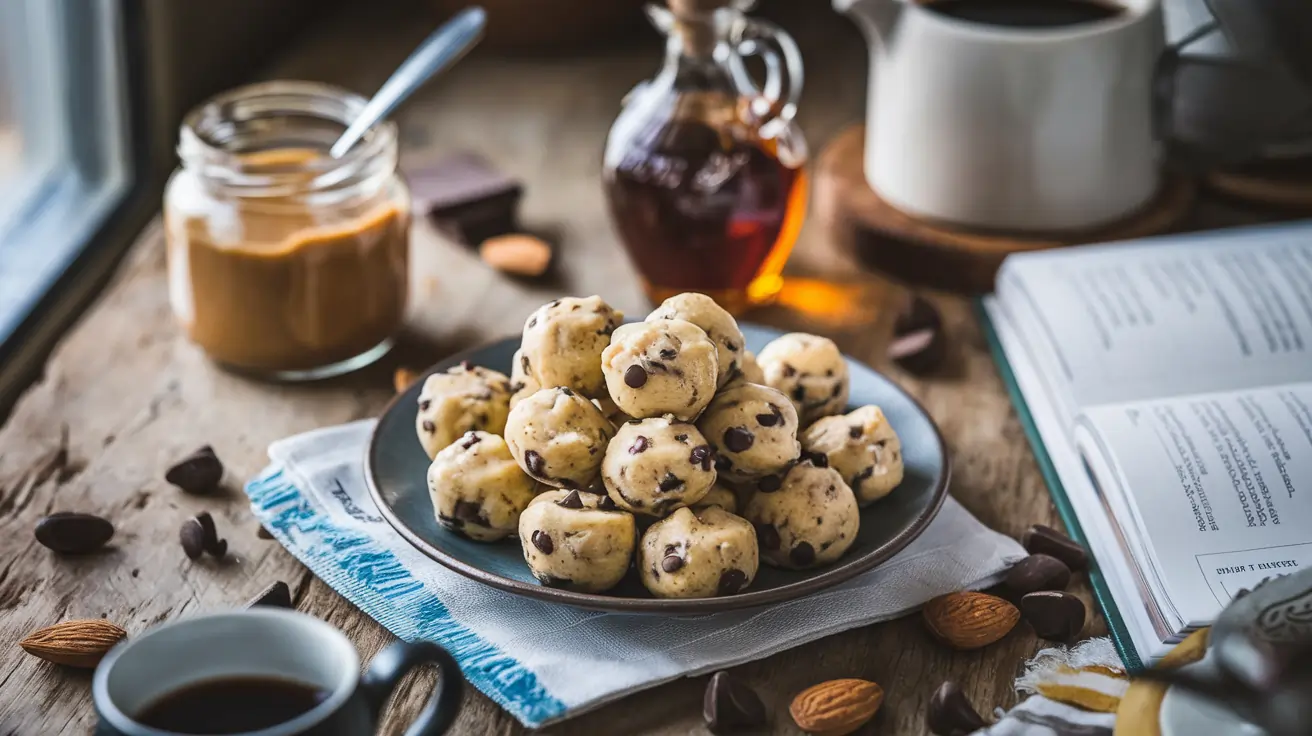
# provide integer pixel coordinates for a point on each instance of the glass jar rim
(201, 147)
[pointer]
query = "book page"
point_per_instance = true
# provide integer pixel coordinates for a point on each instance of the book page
(1217, 486)
(1168, 316)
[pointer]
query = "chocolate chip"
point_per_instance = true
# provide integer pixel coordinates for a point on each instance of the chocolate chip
(566, 391)
(768, 536)
(919, 342)
(639, 445)
(277, 595)
(543, 542)
(769, 484)
(862, 477)
(681, 438)
(799, 393)
(192, 537)
(1053, 614)
(802, 554)
(738, 439)
(729, 705)
(471, 512)
(425, 405)
(818, 459)
(199, 472)
(532, 321)
(669, 354)
(635, 377)
(789, 371)
(731, 581)
(671, 563)
(1038, 572)
(551, 581)
(72, 533)
(1040, 539)
(838, 389)
(670, 482)
(767, 420)
(534, 463)
(524, 364)
(607, 504)
(470, 440)
(572, 501)
(263, 533)
(855, 432)
(702, 455)
(429, 427)
(951, 714)
(722, 464)
(731, 346)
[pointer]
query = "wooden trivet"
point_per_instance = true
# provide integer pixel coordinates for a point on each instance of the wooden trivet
(937, 255)
(1286, 184)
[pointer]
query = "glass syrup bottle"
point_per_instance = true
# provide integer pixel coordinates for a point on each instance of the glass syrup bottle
(704, 169)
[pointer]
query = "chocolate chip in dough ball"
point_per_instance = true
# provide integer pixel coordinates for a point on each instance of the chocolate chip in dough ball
(464, 398)
(477, 488)
(808, 369)
(662, 367)
(563, 341)
(719, 326)
(558, 437)
(862, 447)
(577, 540)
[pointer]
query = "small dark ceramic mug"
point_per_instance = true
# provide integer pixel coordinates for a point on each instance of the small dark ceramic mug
(273, 643)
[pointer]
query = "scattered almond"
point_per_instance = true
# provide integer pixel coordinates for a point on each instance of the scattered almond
(836, 707)
(968, 620)
(403, 379)
(516, 254)
(77, 643)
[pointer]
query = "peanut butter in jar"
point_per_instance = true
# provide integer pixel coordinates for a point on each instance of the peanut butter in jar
(283, 261)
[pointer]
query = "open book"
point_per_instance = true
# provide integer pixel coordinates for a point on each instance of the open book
(1167, 384)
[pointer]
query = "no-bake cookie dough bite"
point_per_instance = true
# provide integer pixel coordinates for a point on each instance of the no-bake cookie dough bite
(665, 367)
(698, 554)
(465, 398)
(578, 541)
(521, 383)
(808, 369)
(478, 490)
(749, 370)
(558, 437)
(862, 447)
(563, 341)
(753, 429)
(654, 466)
(719, 326)
(809, 520)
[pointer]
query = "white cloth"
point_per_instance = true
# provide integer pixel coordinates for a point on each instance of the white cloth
(545, 662)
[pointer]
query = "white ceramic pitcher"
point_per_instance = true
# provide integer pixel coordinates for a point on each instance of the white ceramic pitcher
(1011, 128)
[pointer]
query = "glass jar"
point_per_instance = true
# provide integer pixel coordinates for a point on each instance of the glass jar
(283, 261)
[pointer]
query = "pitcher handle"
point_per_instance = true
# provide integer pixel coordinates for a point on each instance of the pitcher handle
(391, 664)
(776, 100)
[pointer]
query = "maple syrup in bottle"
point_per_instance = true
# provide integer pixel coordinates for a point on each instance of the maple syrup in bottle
(704, 170)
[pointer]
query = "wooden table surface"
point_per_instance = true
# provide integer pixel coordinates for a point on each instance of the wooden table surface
(125, 395)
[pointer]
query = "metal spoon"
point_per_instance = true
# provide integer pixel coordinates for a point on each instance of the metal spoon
(439, 51)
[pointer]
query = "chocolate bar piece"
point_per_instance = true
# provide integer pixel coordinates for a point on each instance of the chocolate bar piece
(468, 198)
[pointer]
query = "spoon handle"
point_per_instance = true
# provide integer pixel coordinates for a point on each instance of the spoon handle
(437, 52)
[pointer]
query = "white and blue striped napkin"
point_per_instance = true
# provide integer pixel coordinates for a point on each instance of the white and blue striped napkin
(544, 662)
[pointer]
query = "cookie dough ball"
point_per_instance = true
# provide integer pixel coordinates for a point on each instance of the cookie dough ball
(749, 370)
(810, 371)
(521, 383)
(563, 341)
(753, 429)
(653, 466)
(465, 398)
(665, 367)
(478, 490)
(863, 448)
(577, 541)
(698, 554)
(719, 495)
(719, 326)
(810, 520)
(558, 437)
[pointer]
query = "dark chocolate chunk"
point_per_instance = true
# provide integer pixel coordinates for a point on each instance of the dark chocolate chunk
(551, 581)
(470, 440)
(1053, 614)
(861, 477)
(543, 542)
(524, 364)
(669, 354)
(199, 472)
(769, 484)
(802, 554)
(565, 390)
(72, 533)
(1037, 572)
(277, 595)
(192, 537)
(670, 482)
(838, 389)
(702, 455)
(789, 371)
(731, 581)
(635, 376)
(818, 459)
(738, 439)
(767, 420)
(855, 432)
(607, 504)
(722, 464)
(681, 438)
(919, 343)
(1040, 539)
(729, 705)
(951, 714)
(639, 445)
(534, 463)
(470, 512)
(572, 501)
(768, 536)
(429, 427)
(671, 563)
(468, 198)
(263, 533)
(799, 393)
(425, 405)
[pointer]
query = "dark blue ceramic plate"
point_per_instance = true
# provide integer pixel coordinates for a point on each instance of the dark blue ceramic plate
(396, 468)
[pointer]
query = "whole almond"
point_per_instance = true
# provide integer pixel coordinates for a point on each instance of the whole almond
(968, 620)
(77, 643)
(836, 707)
(516, 254)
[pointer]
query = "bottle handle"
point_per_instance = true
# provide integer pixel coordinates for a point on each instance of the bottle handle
(782, 90)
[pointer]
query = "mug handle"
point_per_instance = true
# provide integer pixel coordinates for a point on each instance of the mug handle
(391, 664)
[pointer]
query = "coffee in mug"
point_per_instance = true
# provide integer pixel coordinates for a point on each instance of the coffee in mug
(1027, 13)
(232, 705)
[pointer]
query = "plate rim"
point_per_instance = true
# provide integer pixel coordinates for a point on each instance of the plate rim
(827, 578)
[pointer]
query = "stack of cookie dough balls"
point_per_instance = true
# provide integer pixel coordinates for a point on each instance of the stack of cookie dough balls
(662, 446)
